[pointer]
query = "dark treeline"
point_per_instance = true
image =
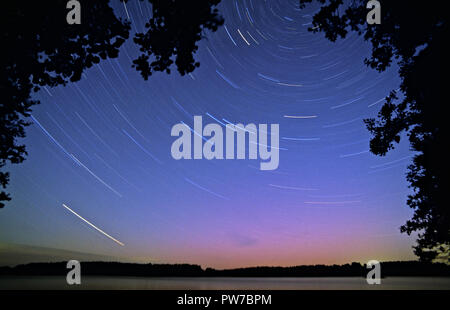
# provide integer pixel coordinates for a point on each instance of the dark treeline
(405, 268)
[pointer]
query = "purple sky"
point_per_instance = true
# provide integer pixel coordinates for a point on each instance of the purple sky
(329, 201)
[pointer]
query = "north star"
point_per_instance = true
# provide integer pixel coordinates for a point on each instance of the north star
(189, 300)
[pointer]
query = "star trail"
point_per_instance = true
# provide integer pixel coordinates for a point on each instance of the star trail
(102, 146)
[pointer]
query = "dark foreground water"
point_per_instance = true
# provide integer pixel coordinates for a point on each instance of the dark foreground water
(132, 283)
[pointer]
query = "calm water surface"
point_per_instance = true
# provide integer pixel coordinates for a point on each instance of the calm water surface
(133, 283)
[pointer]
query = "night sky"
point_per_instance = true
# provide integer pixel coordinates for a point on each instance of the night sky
(101, 146)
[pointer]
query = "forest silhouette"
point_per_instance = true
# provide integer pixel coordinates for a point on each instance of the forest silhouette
(406, 268)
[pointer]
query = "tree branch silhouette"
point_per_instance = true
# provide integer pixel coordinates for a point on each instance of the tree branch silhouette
(41, 50)
(414, 36)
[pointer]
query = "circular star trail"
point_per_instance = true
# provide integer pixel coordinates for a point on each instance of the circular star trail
(102, 146)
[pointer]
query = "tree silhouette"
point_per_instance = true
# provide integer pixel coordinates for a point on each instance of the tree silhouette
(174, 30)
(414, 36)
(399, 269)
(39, 49)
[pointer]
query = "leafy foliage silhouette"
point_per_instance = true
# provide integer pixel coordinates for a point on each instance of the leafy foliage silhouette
(40, 49)
(413, 35)
(174, 30)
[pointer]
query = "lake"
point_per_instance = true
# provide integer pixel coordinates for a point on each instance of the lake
(137, 283)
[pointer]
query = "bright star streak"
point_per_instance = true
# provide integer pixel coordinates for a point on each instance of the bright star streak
(293, 116)
(98, 229)
(248, 43)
